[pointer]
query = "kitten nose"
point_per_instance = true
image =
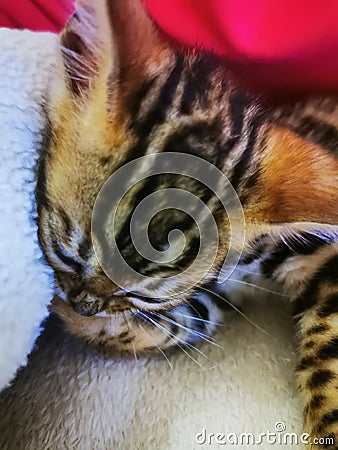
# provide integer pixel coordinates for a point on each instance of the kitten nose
(86, 305)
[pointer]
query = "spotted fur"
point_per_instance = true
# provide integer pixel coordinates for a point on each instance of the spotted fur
(120, 92)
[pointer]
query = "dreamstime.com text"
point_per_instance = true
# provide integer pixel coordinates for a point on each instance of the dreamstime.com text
(278, 436)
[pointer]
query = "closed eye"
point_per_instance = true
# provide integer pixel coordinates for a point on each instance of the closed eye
(58, 253)
(65, 259)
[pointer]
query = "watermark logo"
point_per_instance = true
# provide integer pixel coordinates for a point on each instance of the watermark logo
(130, 200)
(278, 436)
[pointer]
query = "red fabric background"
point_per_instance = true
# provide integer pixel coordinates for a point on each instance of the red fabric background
(288, 45)
(279, 45)
(36, 15)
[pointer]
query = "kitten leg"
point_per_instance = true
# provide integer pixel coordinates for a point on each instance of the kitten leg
(318, 367)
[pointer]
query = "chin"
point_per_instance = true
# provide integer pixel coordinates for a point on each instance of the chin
(137, 332)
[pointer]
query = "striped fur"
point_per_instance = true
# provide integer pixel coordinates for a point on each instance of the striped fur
(119, 93)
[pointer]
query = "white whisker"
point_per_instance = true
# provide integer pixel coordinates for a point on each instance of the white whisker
(129, 329)
(237, 310)
(172, 337)
(157, 346)
(199, 319)
(187, 329)
(193, 332)
(270, 291)
(241, 269)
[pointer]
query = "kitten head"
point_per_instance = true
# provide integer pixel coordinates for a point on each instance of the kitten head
(119, 92)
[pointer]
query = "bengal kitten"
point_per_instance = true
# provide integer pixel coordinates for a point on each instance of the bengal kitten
(120, 92)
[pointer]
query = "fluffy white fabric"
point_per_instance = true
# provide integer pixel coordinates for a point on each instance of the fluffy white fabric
(25, 59)
(69, 396)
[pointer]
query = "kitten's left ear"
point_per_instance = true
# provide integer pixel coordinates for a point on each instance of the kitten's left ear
(107, 40)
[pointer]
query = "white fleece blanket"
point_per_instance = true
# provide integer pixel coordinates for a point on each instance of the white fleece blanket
(24, 282)
(69, 396)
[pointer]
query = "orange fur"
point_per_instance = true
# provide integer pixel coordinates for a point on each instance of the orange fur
(298, 181)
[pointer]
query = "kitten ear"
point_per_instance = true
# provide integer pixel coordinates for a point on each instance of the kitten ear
(109, 40)
(86, 45)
